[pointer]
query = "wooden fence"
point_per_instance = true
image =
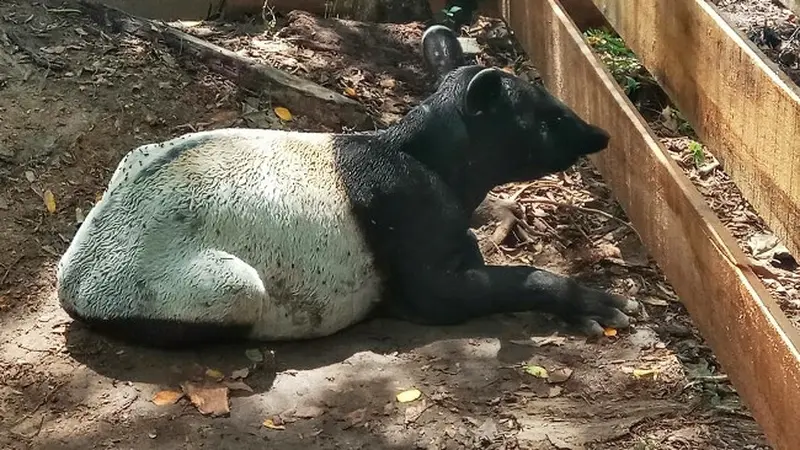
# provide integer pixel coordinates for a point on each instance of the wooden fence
(748, 114)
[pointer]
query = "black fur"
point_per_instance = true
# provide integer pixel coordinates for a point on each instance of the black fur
(414, 186)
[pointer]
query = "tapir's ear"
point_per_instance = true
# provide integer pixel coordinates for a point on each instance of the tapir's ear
(483, 91)
(441, 50)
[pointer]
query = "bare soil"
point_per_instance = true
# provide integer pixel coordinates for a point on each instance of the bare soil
(74, 97)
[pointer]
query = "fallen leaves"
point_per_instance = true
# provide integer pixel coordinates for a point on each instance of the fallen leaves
(238, 386)
(560, 375)
(555, 376)
(209, 400)
(210, 395)
(283, 114)
(167, 397)
(79, 216)
(355, 418)
(609, 332)
(350, 92)
(272, 425)
(215, 375)
(408, 396)
(49, 201)
(414, 412)
(240, 374)
(536, 371)
(640, 373)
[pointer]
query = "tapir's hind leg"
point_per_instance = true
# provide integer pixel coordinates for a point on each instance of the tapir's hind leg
(210, 297)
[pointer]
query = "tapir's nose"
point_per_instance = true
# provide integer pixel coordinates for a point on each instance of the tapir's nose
(598, 139)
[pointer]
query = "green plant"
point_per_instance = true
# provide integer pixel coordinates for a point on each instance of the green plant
(620, 60)
(458, 12)
(698, 155)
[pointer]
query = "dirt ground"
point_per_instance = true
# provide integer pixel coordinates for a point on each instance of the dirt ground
(74, 97)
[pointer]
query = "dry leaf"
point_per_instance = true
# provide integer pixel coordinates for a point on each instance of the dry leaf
(240, 374)
(355, 418)
(537, 371)
(238, 386)
(270, 423)
(208, 400)
(215, 375)
(308, 412)
(167, 397)
(98, 197)
(50, 201)
(412, 413)
(654, 301)
(408, 396)
(610, 332)
(350, 91)
(555, 391)
(283, 114)
(388, 83)
(639, 373)
(79, 216)
(560, 375)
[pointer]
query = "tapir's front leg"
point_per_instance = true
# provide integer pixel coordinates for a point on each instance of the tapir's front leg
(441, 282)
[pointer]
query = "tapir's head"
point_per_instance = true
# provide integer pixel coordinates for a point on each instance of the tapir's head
(517, 130)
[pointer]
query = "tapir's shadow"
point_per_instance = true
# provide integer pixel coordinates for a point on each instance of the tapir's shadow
(168, 368)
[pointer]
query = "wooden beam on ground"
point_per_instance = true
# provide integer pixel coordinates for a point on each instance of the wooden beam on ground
(752, 338)
(299, 95)
(742, 107)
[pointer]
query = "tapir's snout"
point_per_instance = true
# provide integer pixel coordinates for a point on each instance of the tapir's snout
(596, 140)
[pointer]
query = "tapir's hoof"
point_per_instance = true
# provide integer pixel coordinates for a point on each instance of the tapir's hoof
(597, 310)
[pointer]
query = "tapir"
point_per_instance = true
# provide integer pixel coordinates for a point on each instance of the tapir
(270, 235)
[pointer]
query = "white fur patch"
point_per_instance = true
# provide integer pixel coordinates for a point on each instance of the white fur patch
(235, 226)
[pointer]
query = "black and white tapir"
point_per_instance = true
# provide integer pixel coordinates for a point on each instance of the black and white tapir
(275, 235)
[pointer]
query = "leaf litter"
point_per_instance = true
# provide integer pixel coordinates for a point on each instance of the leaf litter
(209, 400)
(211, 396)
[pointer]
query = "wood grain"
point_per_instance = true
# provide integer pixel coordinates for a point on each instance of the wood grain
(752, 338)
(741, 105)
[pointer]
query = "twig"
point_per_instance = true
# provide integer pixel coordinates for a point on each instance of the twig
(702, 378)
(578, 208)
(8, 270)
(35, 56)
(63, 10)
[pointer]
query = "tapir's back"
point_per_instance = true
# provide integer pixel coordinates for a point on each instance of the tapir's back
(248, 227)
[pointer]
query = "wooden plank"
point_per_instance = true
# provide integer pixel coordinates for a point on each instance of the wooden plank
(743, 324)
(742, 106)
